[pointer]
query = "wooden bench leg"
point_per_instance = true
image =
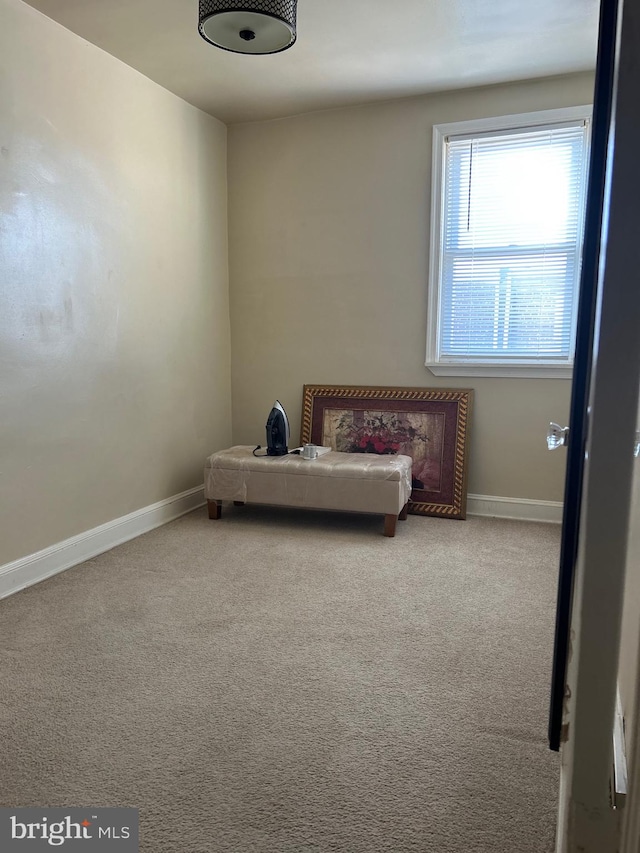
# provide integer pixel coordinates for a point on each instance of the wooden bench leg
(390, 525)
(215, 509)
(404, 512)
(238, 503)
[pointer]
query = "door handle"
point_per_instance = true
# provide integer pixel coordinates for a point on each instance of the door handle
(557, 436)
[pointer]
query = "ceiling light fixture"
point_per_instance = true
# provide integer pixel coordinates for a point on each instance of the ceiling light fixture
(252, 26)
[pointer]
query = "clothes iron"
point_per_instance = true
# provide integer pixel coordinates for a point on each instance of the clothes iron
(277, 431)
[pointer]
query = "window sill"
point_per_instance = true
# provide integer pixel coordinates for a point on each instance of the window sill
(505, 371)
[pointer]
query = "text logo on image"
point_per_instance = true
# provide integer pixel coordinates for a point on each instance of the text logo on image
(74, 829)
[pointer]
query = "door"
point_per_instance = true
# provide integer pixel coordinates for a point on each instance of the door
(597, 515)
(583, 363)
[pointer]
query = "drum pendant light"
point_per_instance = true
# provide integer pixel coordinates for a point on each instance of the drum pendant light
(248, 26)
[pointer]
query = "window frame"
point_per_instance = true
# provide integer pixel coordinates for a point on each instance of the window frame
(474, 366)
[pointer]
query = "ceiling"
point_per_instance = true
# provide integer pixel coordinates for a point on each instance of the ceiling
(348, 51)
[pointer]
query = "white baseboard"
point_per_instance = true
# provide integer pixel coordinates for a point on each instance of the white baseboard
(522, 509)
(36, 567)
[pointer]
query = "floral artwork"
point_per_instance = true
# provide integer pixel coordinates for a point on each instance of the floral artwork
(428, 424)
(415, 434)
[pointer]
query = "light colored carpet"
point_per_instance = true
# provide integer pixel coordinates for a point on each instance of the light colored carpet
(284, 681)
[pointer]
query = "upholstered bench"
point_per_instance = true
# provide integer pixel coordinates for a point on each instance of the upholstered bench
(354, 482)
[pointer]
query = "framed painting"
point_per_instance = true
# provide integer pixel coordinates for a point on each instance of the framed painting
(431, 425)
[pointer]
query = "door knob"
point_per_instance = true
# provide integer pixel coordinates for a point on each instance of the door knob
(557, 436)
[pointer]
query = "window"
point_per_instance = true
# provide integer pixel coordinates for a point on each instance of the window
(506, 242)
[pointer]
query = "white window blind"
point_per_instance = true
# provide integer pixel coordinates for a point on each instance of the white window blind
(510, 244)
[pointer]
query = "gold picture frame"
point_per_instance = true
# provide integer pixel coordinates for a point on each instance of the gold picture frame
(429, 424)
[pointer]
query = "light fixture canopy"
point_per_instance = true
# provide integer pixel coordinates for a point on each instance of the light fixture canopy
(248, 26)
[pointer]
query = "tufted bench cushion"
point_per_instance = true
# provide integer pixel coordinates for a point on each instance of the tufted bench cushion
(355, 482)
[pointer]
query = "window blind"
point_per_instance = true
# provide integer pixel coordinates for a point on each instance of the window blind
(511, 244)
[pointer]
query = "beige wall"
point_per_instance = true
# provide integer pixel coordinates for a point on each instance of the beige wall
(114, 317)
(328, 250)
